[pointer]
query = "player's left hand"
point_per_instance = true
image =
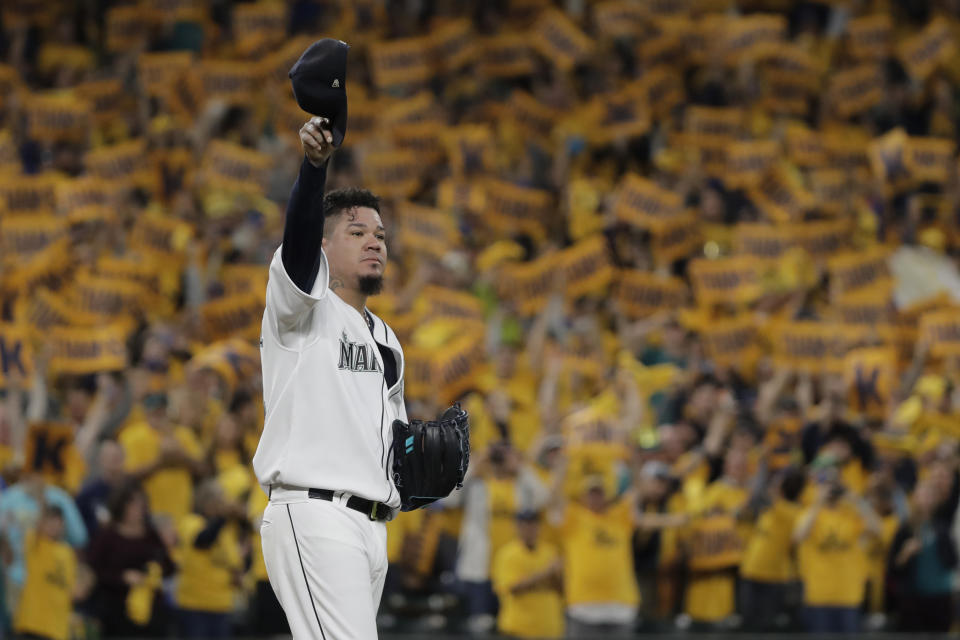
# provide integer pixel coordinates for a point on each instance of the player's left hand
(317, 140)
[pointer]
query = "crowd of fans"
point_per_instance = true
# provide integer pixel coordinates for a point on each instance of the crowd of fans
(689, 264)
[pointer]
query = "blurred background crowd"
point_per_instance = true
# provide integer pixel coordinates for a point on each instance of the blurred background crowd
(689, 264)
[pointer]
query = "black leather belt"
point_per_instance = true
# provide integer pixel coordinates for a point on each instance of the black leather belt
(370, 508)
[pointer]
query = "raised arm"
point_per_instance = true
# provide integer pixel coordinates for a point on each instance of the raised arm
(96, 419)
(303, 227)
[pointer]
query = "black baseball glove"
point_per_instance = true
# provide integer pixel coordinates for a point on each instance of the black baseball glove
(430, 458)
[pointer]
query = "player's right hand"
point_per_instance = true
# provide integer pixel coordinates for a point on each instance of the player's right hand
(317, 140)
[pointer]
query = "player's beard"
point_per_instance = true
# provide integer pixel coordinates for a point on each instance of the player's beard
(370, 285)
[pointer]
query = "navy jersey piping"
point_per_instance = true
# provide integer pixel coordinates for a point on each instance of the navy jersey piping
(383, 444)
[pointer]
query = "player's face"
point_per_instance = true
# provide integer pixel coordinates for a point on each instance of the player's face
(357, 247)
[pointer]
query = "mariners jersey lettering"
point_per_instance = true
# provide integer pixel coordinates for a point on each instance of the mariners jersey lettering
(329, 413)
(357, 356)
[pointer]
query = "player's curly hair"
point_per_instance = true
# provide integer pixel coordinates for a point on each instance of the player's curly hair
(340, 200)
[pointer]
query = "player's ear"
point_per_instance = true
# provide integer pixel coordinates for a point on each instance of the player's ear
(323, 242)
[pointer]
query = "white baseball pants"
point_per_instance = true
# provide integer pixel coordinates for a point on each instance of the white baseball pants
(326, 563)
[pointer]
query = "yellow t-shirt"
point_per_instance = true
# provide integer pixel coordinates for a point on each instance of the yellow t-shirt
(593, 458)
(451, 522)
(524, 425)
(482, 429)
(170, 491)
(832, 561)
(412, 539)
(532, 614)
(714, 542)
(522, 387)
(398, 529)
(74, 472)
(211, 415)
(710, 597)
(598, 560)
(694, 476)
(670, 537)
(226, 459)
(46, 600)
(722, 496)
(852, 476)
(714, 549)
(428, 537)
(549, 531)
(502, 496)
(237, 482)
(769, 555)
(206, 575)
(256, 505)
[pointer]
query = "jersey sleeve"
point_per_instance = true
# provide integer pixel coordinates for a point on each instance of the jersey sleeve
(303, 226)
(287, 305)
(299, 272)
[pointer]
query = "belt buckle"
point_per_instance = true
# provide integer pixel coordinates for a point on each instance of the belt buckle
(373, 510)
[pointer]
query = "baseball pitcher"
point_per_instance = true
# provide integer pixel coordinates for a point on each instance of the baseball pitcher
(337, 456)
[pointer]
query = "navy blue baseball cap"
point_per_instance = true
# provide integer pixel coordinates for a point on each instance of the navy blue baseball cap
(320, 83)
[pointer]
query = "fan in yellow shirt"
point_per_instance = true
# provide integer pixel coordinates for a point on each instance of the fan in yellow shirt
(501, 484)
(599, 582)
(164, 456)
(526, 578)
(832, 537)
(714, 542)
(510, 389)
(46, 601)
(210, 564)
(662, 514)
(549, 449)
(594, 458)
(768, 567)
(502, 497)
(227, 448)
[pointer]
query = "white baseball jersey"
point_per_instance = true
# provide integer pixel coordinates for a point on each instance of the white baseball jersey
(329, 413)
